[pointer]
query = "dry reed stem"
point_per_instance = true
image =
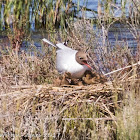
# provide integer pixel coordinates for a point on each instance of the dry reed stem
(60, 95)
(59, 100)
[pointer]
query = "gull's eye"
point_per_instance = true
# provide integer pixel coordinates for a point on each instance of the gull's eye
(80, 58)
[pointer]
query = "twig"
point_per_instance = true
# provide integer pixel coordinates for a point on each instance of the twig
(126, 75)
(138, 63)
(110, 113)
(136, 5)
(92, 119)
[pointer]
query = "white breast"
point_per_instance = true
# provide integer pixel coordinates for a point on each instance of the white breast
(66, 62)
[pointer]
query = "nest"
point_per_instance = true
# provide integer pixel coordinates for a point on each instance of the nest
(38, 102)
(89, 77)
(26, 98)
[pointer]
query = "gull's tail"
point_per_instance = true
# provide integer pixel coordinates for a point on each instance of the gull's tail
(50, 43)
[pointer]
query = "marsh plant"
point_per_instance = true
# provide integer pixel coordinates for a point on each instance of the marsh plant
(31, 107)
(52, 14)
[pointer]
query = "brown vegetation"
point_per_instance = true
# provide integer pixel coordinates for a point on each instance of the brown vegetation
(32, 107)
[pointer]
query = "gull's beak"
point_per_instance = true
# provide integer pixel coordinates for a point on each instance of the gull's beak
(86, 63)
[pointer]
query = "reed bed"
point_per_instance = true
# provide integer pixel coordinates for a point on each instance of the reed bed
(68, 112)
(31, 107)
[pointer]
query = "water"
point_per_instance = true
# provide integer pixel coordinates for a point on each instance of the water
(90, 4)
(118, 31)
(93, 6)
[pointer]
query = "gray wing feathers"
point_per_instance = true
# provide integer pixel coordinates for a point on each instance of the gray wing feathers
(50, 43)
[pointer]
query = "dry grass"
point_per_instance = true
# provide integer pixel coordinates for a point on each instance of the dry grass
(47, 108)
(69, 112)
(32, 108)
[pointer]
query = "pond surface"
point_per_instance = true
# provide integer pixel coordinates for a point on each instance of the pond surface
(115, 5)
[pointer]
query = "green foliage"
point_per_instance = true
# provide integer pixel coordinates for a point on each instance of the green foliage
(42, 13)
(52, 14)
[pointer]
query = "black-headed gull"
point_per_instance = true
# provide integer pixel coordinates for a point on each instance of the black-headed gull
(69, 60)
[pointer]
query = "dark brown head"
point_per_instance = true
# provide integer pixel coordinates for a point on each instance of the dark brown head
(82, 58)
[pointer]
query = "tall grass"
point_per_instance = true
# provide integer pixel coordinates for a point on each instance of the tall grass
(31, 107)
(47, 14)
(53, 14)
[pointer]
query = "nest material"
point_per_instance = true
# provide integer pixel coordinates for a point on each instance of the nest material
(89, 77)
(48, 101)
(69, 95)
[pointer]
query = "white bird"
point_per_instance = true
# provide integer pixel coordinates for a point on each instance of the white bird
(69, 60)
